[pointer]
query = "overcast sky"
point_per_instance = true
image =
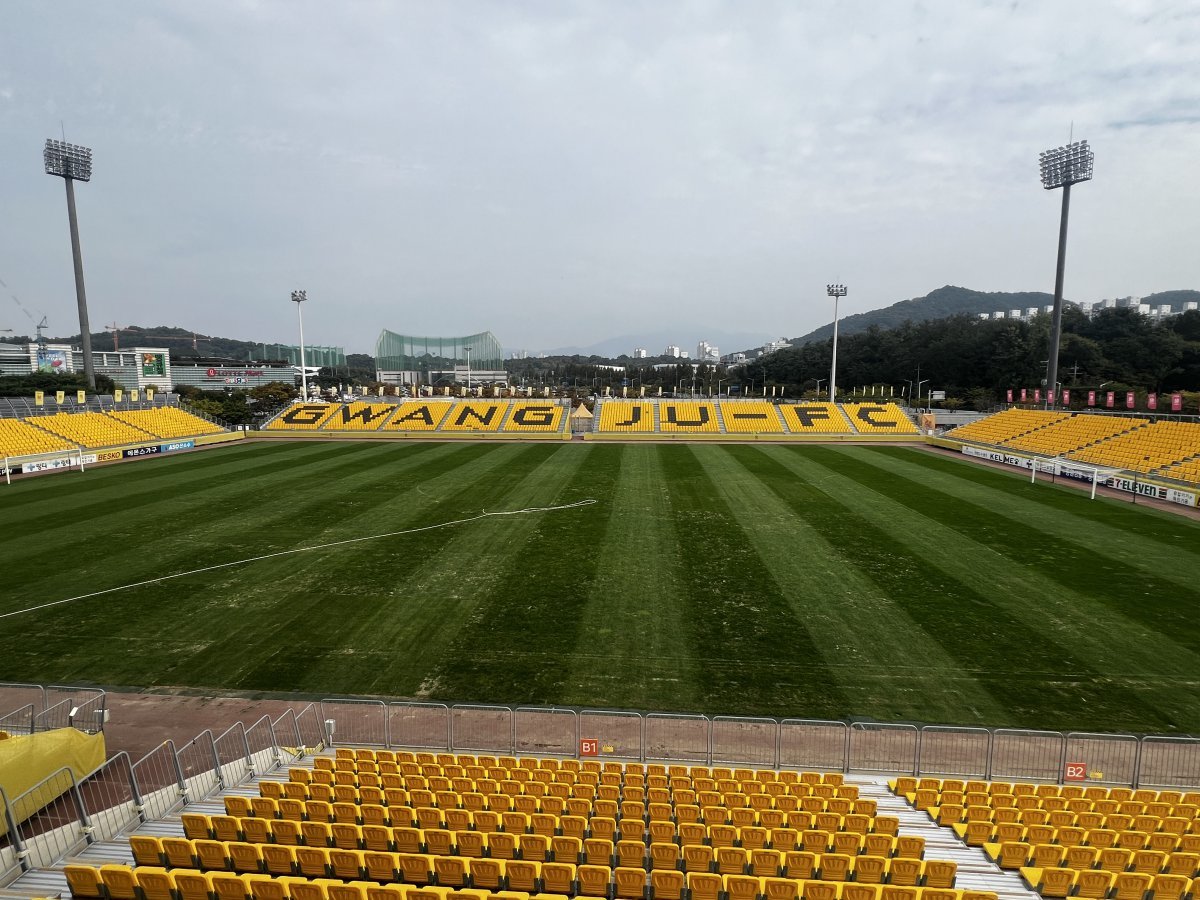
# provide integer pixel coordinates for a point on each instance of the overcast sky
(560, 173)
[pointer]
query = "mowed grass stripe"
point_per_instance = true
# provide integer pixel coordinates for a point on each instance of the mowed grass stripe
(937, 602)
(881, 661)
(1132, 530)
(1113, 681)
(1165, 545)
(631, 649)
(272, 508)
(121, 489)
(402, 600)
(516, 646)
(738, 623)
(216, 624)
(1035, 537)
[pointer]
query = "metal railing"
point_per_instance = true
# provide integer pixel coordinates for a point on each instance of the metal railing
(34, 707)
(62, 814)
(889, 748)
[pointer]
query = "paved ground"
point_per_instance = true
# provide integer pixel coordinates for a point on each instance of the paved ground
(140, 722)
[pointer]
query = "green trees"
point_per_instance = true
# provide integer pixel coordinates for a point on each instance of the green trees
(975, 359)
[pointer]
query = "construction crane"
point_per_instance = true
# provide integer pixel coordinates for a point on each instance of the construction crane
(39, 326)
(116, 330)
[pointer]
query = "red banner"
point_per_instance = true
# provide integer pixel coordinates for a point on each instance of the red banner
(1023, 394)
(1111, 399)
(1091, 398)
(1037, 395)
(1050, 396)
(1130, 400)
(1066, 396)
(1152, 401)
(1010, 395)
(1176, 402)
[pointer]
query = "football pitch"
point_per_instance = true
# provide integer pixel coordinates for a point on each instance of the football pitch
(807, 581)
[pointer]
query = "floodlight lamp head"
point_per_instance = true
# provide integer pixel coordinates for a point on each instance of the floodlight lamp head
(1069, 164)
(835, 290)
(68, 160)
(299, 296)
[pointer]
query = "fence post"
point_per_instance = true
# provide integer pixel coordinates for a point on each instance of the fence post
(249, 756)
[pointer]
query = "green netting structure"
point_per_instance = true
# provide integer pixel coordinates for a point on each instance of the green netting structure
(330, 357)
(410, 353)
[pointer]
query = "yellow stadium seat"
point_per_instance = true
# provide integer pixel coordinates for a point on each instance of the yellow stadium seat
(750, 417)
(815, 418)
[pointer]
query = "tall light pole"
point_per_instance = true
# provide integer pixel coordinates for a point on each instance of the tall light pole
(467, 350)
(1061, 168)
(72, 163)
(836, 291)
(298, 297)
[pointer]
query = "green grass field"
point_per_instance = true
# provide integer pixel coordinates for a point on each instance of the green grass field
(781, 580)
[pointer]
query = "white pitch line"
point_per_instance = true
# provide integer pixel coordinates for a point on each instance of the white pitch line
(241, 562)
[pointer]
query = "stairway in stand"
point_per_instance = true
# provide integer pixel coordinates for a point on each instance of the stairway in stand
(975, 871)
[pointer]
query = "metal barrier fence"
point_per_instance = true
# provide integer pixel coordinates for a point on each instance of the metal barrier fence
(481, 728)
(233, 756)
(360, 722)
(17, 694)
(309, 727)
(423, 726)
(61, 814)
(19, 721)
(867, 747)
(160, 780)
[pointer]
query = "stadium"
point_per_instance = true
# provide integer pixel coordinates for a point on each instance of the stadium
(280, 620)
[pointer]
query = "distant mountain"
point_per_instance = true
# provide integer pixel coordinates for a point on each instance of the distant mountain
(685, 338)
(945, 301)
(953, 301)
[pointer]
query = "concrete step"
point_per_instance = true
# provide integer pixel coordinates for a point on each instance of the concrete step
(975, 871)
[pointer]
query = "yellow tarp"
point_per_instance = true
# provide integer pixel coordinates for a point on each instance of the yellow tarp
(26, 760)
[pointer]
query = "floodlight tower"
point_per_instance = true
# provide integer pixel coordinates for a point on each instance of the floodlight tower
(72, 163)
(298, 297)
(836, 291)
(1061, 168)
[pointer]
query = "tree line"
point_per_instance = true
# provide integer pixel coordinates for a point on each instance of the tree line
(977, 360)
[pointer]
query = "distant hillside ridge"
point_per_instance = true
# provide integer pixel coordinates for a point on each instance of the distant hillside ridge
(952, 301)
(945, 301)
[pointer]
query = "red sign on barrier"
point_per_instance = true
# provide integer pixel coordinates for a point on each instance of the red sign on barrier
(1010, 395)
(1075, 771)
(1176, 402)
(1024, 393)
(1066, 397)
(1091, 398)
(589, 747)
